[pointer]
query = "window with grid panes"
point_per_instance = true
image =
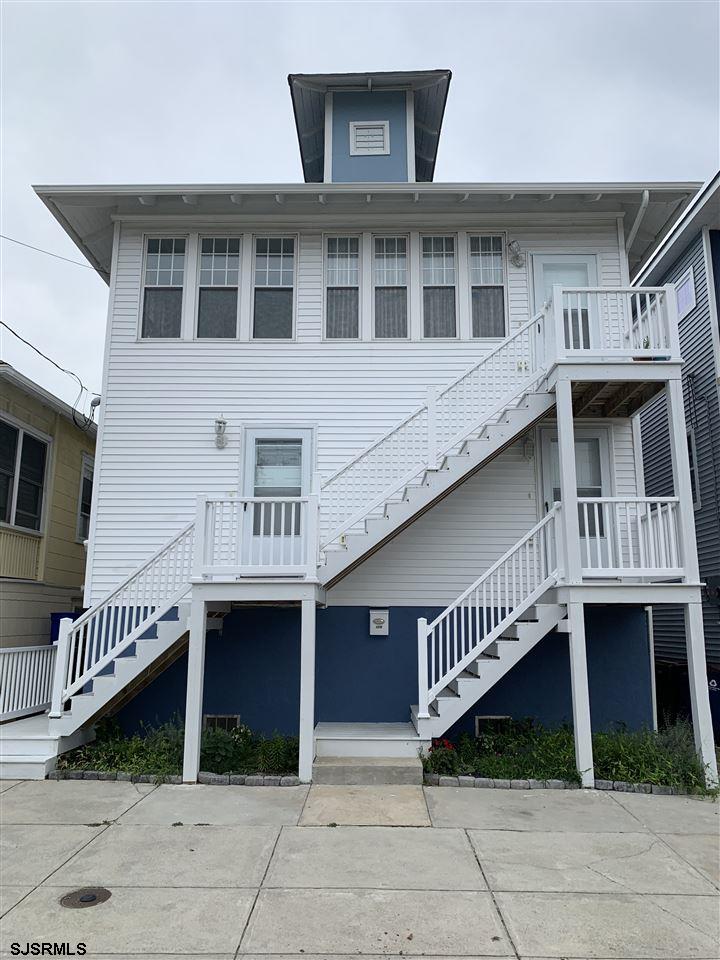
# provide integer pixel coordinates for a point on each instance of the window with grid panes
(218, 287)
(438, 281)
(163, 287)
(342, 288)
(487, 285)
(274, 279)
(22, 476)
(390, 283)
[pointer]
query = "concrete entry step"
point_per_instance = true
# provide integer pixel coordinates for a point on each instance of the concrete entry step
(368, 771)
(367, 740)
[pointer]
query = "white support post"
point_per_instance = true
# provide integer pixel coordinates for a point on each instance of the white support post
(699, 694)
(194, 696)
(312, 547)
(422, 631)
(432, 458)
(671, 320)
(580, 695)
(198, 561)
(681, 479)
(558, 323)
(307, 690)
(60, 669)
(569, 526)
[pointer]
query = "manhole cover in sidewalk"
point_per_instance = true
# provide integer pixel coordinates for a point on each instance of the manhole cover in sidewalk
(86, 897)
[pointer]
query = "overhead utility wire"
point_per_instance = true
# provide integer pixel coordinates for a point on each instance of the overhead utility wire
(86, 421)
(57, 256)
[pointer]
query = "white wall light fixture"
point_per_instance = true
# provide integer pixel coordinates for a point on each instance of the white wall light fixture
(221, 432)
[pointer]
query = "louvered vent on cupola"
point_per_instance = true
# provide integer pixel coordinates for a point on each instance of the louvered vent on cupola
(369, 137)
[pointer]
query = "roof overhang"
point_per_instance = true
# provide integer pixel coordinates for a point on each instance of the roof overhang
(702, 211)
(32, 389)
(430, 89)
(88, 213)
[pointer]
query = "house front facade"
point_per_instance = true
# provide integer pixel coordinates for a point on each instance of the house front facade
(367, 469)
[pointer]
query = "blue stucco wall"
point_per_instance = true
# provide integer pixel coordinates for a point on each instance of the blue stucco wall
(387, 105)
(252, 668)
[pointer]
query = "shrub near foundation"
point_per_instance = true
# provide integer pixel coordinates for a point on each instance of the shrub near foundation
(158, 751)
(525, 750)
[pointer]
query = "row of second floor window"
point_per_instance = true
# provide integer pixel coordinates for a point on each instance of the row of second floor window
(23, 480)
(379, 269)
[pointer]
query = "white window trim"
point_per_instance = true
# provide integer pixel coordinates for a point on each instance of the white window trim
(503, 237)
(87, 464)
(454, 235)
(356, 125)
(371, 268)
(354, 235)
(197, 264)
(155, 235)
(697, 501)
(48, 441)
(296, 257)
(687, 275)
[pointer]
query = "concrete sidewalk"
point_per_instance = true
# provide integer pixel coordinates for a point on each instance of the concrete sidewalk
(213, 871)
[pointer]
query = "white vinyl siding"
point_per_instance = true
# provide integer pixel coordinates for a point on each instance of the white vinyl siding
(162, 397)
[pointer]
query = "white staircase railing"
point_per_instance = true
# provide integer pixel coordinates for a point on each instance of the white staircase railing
(630, 537)
(26, 675)
(479, 615)
(419, 441)
(109, 627)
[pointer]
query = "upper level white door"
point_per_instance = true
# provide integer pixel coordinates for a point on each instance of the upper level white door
(570, 270)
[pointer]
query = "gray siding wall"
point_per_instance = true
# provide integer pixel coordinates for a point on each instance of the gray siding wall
(703, 415)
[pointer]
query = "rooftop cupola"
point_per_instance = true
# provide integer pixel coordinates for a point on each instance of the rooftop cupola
(369, 127)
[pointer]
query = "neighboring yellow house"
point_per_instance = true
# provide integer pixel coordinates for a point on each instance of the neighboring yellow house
(46, 476)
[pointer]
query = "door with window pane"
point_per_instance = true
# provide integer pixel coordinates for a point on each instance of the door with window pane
(593, 480)
(277, 470)
(569, 271)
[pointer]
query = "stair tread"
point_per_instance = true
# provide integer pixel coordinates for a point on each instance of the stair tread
(366, 761)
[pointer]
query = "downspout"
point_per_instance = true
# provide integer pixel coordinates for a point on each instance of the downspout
(638, 220)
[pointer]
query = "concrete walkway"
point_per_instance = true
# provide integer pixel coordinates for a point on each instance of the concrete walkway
(441, 872)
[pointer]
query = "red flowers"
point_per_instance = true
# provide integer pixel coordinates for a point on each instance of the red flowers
(442, 743)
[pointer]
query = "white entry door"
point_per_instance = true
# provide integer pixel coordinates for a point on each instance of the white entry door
(570, 271)
(278, 465)
(592, 465)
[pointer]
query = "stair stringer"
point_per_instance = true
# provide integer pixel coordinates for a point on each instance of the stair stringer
(126, 668)
(491, 666)
(432, 486)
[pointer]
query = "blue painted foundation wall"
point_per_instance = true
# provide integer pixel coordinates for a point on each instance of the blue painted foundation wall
(253, 667)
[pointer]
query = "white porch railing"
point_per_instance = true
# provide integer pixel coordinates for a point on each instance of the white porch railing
(480, 614)
(632, 537)
(109, 627)
(419, 441)
(256, 536)
(632, 322)
(26, 675)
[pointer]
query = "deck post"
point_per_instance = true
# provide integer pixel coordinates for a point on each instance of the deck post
(570, 525)
(307, 690)
(60, 668)
(681, 479)
(699, 694)
(580, 695)
(194, 696)
(422, 634)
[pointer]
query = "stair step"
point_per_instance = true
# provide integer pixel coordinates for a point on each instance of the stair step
(368, 771)
(366, 740)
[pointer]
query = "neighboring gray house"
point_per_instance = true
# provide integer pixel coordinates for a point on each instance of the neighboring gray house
(689, 257)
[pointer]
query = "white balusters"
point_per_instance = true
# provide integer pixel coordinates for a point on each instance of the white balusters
(634, 537)
(631, 322)
(26, 675)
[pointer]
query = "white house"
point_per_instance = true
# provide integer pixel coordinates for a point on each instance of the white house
(365, 447)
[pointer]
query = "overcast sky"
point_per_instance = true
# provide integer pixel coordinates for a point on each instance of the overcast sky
(169, 92)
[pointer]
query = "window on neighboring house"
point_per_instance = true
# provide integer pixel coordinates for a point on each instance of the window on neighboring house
(685, 293)
(218, 287)
(369, 137)
(86, 489)
(487, 284)
(274, 288)
(22, 476)
(390, 278)
(163, 288)
(342, 288)
(438, 280)
(694, 478)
